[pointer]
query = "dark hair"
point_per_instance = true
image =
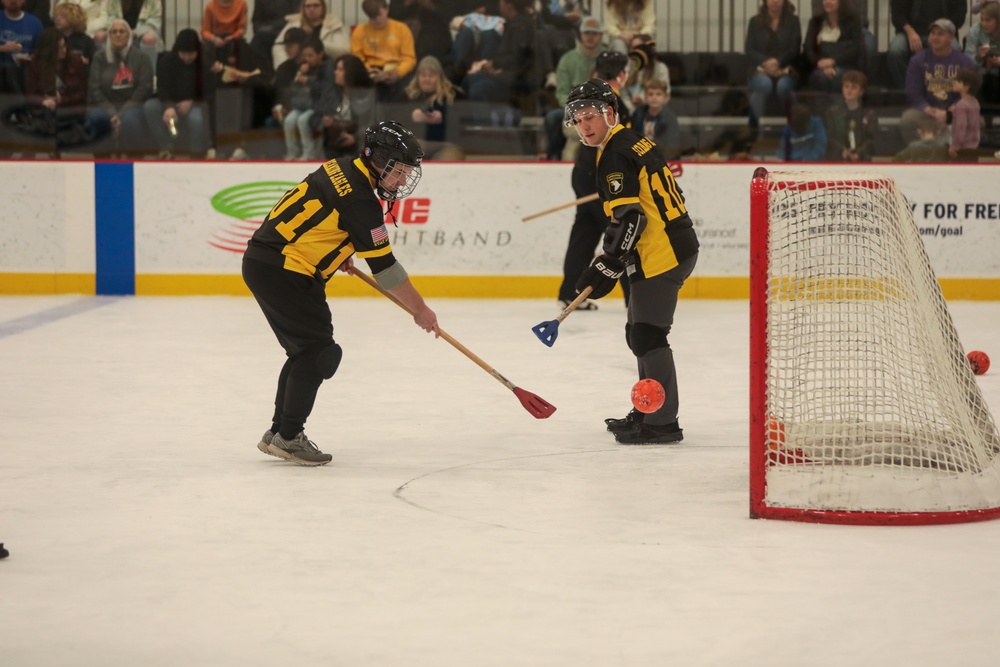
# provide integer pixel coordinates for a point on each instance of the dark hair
(856, 77)
(799, 117)
(927, 124)
(371, 8)
(315, 43)
(47, 55)
(788, 9)
(971, 78)
(355, 73)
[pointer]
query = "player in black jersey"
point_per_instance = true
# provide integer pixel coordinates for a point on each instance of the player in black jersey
(649, 236)
(312, 231)
(590, 222)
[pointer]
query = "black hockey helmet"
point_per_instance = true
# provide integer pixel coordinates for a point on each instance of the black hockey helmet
(610, 64)
(388, 145)
(593, 94)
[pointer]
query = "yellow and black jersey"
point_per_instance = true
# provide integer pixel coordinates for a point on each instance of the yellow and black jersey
(630, 172)
(322, 221)
(585, 166)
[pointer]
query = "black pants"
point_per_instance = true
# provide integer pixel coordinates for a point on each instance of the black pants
(295, 307)
(584, 240)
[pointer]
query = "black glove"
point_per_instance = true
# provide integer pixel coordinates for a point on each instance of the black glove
(601, 276)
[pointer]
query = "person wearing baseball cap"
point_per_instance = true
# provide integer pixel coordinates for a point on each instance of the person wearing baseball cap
(912, 20)
(574, 67)
(930, 80)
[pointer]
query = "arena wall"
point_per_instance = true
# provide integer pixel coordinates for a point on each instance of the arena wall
(177, 228)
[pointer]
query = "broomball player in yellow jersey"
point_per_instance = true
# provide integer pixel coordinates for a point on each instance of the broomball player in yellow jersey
(649, 237)
(312, 231)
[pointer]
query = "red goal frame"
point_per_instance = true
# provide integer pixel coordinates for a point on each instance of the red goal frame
(759, 285)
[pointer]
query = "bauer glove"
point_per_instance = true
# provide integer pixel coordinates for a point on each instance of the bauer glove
(601, 276)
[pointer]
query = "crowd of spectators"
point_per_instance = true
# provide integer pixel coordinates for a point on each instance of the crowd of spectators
(293, 81)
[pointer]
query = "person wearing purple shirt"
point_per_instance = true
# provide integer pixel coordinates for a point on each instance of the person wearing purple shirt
(930, 80)
(19, 33)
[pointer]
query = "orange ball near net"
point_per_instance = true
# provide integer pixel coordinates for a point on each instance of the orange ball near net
(979, 361)
(648, 395)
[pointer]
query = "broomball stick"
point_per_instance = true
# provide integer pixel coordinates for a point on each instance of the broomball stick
(575, 202)
(548, 331)
(536, 405)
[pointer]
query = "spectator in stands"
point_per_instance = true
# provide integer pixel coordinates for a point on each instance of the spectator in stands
(315, 18)
(284, 75)
(145, 17)
(41, 10)
(773, 46)
(927, 147)
(177, 115)
(656, 121)
(557, 24)
(223, 21)
(268, 20)
(656, 70)
(624, 19)
(385, 46)
(69, 19)
(96, 12)
(574, 68)
(120, 82)
(301, 137)
(242, 94)
(861, 9)
(19, 33)
(432, 93)
(982, 44)
(57, 84)
(833, 45)
(477, 38)
(850, 128)
(431, 33)
(347, 107)
(930, 77)
(965, 116)
(912, 20)
(977, 5)
(511, 74)
(804, 137)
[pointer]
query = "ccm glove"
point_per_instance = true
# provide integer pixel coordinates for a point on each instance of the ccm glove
(601, 276)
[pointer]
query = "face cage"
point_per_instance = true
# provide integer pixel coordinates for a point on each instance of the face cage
(405, 189)
(579, 105)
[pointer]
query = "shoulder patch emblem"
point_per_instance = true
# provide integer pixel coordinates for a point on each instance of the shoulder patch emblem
(615, 182)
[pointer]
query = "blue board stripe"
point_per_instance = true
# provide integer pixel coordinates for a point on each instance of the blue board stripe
(114, 192)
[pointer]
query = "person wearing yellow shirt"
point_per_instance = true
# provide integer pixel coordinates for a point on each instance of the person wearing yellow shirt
(385, 46)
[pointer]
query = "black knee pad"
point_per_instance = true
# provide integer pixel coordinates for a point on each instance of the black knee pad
(644, 338)
(328, 360)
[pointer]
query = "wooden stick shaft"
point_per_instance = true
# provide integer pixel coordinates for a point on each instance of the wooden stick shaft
(576, 302)
(454, 343)
(576, 202)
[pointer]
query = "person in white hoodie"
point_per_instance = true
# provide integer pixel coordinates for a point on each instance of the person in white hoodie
(315, 19)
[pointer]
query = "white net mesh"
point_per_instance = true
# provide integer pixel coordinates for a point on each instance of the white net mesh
(871, 403)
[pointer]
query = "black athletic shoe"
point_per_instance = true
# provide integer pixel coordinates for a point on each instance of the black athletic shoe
(648, 434)
(627, 423)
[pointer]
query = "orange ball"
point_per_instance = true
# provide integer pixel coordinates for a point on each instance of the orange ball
(775, 433)
(648, 395)
(979, 361)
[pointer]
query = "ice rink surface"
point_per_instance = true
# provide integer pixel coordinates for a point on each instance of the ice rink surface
(452, 528)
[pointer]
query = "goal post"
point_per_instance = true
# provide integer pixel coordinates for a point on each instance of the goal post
(863, 406)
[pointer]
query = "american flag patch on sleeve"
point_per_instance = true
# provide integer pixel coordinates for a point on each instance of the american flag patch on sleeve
(379, 235)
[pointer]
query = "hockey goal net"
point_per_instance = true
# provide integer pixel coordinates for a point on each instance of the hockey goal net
(863, 406)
